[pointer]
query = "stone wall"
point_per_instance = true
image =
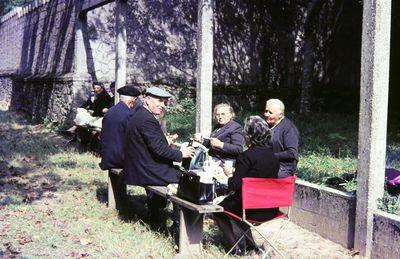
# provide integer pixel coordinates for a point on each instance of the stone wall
(39, 39)
(325, 211)
(38, 43)
(386, 236)
(37, 50)
(5, 91)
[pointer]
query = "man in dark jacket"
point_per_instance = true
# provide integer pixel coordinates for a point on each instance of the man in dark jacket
(113, 131)
(148, 154)
(285, 137)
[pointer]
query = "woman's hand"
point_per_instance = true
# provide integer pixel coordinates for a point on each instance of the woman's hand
(228, 171)
(197, 137)
(216, 143)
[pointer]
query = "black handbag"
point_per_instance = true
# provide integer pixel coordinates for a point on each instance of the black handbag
(190, 188)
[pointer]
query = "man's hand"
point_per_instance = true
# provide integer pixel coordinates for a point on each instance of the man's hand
(188, 152)
(105, 110)
(172, 139)
(214, 142)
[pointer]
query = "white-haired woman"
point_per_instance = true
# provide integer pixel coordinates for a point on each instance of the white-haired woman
(257, 161)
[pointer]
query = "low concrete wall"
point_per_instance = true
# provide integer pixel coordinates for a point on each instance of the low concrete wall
(386, 237)
(325, 211)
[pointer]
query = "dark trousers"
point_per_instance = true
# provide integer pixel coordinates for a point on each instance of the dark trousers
(154, 204)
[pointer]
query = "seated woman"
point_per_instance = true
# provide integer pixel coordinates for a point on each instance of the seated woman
(258, 161)
(226, 140)
(90, 113)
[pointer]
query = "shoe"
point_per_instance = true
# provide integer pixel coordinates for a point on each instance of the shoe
(66, 133)
(237, 251)
(252, 248)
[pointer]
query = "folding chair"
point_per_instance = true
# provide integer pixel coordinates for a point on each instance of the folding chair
(264, 193)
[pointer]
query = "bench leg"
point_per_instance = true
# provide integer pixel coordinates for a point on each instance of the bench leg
(116, 190)
(190, 233)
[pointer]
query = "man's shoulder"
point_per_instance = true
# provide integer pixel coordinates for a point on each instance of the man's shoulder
(119, 108)
(289, 127)
(140, 115)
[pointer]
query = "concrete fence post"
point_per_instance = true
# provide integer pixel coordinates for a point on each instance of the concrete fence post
(373, 117)
(121, 46)
(204, 66)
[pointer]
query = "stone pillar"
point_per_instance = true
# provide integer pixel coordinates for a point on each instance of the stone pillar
(121, 45)
(80, 76)
(80, 57)
(204, 66)
(375, 54)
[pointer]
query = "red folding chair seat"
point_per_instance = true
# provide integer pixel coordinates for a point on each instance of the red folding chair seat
(265, 193)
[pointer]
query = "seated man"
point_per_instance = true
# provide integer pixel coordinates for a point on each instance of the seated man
(112, 136)
(148, 154)
(285, 137)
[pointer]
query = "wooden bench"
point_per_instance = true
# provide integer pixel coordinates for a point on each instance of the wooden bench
(191, 215)
(190, 221)
(116, 189)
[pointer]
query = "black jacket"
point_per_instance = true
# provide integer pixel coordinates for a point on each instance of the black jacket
(102, 100)
(258, 162)
(232, 136)
(112, 136)
(285, 145)
(148, 157)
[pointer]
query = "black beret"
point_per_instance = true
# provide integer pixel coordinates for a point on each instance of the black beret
(129, 90)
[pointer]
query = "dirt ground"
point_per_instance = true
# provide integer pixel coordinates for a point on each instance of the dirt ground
(297, 242)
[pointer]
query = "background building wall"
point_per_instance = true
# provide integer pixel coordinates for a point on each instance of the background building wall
(257, 53)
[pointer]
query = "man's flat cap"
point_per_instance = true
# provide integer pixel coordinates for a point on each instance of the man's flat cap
(158, 92)
(129, 90)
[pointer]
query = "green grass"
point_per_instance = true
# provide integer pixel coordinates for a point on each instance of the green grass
(328, 143)
(53, 203)
(53, 198)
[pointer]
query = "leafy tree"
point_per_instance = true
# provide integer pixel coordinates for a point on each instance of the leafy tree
(8, 5)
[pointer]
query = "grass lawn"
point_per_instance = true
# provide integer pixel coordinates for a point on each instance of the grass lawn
(328, 144)
(53, 203)
(53, 198)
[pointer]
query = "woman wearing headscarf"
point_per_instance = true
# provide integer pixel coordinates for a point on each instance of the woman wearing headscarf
(257, 161)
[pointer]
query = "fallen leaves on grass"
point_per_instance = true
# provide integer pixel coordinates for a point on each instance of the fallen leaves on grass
(78, 254)
(24, 240)
(11, 249)
(85, 241)
(5, 229)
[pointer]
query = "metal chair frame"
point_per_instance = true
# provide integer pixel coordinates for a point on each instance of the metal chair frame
(289, 182)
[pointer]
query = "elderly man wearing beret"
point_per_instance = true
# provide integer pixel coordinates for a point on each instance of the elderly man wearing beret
(148, 155)
(114, 124)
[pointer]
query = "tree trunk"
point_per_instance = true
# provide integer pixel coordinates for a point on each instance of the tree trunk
(308, 60)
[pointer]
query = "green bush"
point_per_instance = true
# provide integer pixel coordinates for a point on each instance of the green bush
(390, 204)
(181, 119)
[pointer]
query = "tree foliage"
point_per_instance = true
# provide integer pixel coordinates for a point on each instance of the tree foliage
(8, 5)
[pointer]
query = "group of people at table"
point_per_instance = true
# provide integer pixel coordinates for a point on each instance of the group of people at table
(132, 139)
